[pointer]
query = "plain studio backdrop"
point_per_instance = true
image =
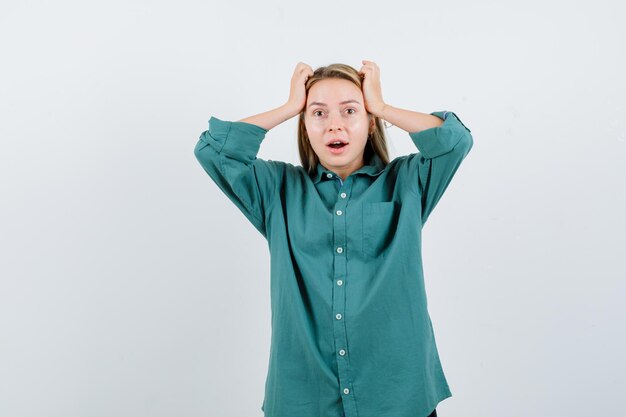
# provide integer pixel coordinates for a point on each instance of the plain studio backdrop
(131, 286)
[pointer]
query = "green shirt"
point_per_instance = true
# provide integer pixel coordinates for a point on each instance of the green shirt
(351, 332)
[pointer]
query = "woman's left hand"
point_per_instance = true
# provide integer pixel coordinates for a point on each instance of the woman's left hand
(372, 92)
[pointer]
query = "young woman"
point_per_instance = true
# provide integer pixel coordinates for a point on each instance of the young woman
(351, 332)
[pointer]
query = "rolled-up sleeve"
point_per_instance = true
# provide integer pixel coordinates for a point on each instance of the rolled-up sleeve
(441, 151)
(228, 152)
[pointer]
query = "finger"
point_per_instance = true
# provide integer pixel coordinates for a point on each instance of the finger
(368, 66)
(372, 71)
(372, 67)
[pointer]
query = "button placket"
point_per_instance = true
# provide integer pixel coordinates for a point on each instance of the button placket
(340, 219)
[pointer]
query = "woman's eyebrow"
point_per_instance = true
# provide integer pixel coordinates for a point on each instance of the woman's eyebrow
(324, 104)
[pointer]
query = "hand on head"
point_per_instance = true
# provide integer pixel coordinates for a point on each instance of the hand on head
(372, 91)
(297, 94)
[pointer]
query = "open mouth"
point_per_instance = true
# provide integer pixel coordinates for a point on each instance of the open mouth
(337, 147)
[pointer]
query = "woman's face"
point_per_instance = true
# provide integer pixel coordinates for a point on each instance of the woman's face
(335, 111)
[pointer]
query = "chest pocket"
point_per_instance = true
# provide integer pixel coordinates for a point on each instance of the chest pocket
(379, 225)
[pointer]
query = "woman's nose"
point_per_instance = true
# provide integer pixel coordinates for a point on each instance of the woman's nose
(334, 122)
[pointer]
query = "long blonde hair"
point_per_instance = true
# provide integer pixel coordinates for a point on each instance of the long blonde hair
(376, 140)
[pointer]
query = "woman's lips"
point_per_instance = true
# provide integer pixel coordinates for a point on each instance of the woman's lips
(337, 151)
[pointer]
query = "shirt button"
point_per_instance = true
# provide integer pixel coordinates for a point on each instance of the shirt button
(342, 352)
(329, 175)
(339, 212)
(343, 195)
(339, 250)
(339, 282)
(346, 391)
(338, 316)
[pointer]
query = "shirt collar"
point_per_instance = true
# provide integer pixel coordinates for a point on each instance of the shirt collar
(373, 168)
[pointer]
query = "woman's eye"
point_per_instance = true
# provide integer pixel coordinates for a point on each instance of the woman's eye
(315, 113)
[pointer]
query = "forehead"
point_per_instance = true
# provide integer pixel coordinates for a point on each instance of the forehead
(334, 90)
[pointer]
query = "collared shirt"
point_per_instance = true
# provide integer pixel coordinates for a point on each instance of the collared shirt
(351, 332)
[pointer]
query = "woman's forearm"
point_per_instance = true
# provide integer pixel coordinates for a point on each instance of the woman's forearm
(272, 118)
(408, 120)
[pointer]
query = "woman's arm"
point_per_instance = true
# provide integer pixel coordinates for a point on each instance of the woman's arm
(228, 153)
(442, 140)
(441, 151)
(272, 118)
(294, 105)
(408, 120)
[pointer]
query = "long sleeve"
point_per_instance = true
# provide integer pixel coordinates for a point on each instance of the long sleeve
(441, 151)
(227, 152)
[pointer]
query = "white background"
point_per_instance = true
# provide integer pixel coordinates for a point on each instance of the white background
(131, 286)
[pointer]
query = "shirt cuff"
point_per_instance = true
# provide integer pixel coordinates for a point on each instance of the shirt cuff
(247, 138)
(442, 139)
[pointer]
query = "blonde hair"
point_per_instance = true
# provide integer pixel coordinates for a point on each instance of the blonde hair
(376, 140)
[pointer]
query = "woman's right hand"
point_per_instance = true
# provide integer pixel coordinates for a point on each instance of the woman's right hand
(297, 95)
